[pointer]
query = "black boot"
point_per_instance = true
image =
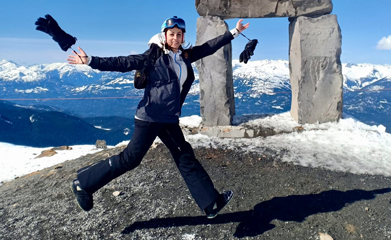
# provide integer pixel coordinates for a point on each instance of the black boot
(83, 198)
(214, 208)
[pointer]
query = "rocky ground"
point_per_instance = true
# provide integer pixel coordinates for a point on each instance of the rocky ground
(272, 200)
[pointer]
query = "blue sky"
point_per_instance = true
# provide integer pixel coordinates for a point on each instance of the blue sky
(122, 27)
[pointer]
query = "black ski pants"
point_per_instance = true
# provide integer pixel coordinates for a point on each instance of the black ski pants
(197, 180)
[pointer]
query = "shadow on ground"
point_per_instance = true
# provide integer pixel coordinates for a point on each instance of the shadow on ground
(256, 222)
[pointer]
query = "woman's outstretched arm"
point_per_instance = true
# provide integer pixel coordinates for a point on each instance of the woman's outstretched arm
(211, 46)
(118, 64)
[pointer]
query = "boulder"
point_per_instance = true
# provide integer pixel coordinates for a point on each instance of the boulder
(47, 153)
(100, 144)
(217, 100)
(315, 69)
(262, 8)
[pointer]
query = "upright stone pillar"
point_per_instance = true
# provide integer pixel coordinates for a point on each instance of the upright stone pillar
(315, 69)
(216, 81)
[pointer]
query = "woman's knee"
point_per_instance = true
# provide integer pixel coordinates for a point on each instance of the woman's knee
(129, 162)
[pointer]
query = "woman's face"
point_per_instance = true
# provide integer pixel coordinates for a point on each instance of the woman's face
(174, 38)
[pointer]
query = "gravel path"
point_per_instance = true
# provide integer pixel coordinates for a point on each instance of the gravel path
(272, 200)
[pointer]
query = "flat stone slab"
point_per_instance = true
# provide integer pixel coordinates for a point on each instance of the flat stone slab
(262, 8)
(233, 131)
(241, 131)
(245, 126)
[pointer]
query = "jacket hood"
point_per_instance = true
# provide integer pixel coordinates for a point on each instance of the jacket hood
(158, 39)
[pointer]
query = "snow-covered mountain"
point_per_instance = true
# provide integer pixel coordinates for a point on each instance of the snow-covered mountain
(260, 87)
(57, 79)
(369, 76)
(260, 76)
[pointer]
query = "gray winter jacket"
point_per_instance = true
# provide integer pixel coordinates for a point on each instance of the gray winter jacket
(162, 100)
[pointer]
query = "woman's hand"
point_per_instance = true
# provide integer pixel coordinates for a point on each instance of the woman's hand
(78, 58)
(242, 27)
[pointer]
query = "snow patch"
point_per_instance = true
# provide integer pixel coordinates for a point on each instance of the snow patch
(126, 131)
(32, 118)
(187, 236)
(191, 122)
(33, 90)
(100, 127)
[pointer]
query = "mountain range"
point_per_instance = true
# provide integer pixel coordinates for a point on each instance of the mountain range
(61, 92)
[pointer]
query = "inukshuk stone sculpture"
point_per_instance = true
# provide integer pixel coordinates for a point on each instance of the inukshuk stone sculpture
(314, 57)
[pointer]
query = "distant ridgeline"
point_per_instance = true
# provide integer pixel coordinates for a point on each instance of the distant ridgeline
(42, 126)
(70, 100)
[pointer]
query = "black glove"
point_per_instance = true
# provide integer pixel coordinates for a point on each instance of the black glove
(50, 26)
(248, 51)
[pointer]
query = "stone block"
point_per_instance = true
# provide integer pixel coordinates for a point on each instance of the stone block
(217, 102)
(210, 131)
(226, 9)
(315, 69)
(249, 133)
(234, 132)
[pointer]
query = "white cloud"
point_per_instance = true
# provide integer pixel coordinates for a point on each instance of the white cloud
(384, 43)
